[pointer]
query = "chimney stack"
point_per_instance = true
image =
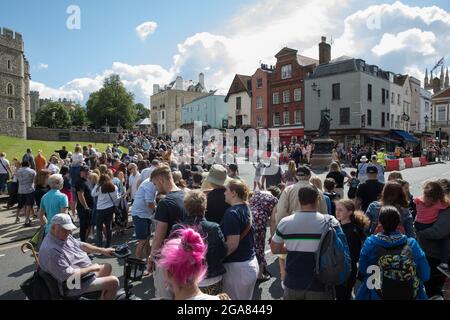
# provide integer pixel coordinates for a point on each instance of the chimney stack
(201, 80)
(324, 51)
(179, 83)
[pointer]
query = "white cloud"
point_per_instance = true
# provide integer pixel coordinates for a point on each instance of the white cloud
(55, 94)
(145, 29)
(402, 39)
(42, 66)
(414, 40)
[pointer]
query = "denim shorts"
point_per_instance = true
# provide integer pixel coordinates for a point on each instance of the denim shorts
(142, 228)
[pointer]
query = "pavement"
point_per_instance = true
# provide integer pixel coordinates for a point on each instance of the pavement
(16, 267)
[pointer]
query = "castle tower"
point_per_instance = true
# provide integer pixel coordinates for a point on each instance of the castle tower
(14, 85)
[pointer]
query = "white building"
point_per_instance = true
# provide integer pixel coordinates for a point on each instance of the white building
(239, 101)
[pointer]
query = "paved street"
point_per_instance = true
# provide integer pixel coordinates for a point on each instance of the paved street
(17, 267)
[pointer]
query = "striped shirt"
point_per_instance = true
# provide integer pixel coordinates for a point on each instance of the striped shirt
(301, 232)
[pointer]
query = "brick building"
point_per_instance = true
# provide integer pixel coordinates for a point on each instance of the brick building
(260, 96)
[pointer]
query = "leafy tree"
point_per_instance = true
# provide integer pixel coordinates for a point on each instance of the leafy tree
(79, 116)
(53, 115)
(112, 104)
(141, 111)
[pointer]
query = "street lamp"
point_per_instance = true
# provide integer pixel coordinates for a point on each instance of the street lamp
(426, 123)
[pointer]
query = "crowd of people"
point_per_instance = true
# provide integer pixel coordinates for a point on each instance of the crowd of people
(202, 231)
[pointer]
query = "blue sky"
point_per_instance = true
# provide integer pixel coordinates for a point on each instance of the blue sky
(219, 38)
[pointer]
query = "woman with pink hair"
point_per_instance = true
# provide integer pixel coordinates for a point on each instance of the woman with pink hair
(182, 259)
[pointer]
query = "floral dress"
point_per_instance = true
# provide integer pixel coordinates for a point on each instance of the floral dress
(261, 206)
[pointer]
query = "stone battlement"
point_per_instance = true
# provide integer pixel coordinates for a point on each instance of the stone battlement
(11, 39)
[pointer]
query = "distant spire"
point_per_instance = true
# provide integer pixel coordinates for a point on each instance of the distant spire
(442, 76)
(426, 78)
(447, 80)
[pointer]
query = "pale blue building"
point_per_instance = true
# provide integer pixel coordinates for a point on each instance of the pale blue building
(211, 110)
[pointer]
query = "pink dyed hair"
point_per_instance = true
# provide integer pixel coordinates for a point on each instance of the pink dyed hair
(183, 256)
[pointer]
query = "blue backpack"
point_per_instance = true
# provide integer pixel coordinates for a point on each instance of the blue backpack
(333, 260)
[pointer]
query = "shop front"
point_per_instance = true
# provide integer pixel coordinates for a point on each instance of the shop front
(289, 135)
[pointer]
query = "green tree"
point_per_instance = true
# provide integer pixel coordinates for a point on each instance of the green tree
(112, 104)
(79, 116)
(53, 115)
(141, 111)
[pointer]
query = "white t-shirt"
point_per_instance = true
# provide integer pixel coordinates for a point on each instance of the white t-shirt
(77, 159)
(146, 173)
(132, 182)
(53, 168)
(5, 164)
(204, 297)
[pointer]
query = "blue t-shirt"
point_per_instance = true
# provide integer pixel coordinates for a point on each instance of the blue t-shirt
(145, 195)
(234, 221)
(52, 203)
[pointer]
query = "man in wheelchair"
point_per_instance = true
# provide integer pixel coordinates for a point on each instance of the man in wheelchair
(66, 260)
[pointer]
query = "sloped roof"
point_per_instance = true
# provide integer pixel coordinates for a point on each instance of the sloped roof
(144, 122)
(306, 61)
(339, 67)
(285, 51)
(244, 81)
(442, 94)
(400, 79)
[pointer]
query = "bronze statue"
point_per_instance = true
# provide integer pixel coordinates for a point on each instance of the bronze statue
(324, 127)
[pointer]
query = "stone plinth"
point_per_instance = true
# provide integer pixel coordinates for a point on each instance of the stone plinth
(321, 158)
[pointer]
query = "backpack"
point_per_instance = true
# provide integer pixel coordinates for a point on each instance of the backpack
(333, 263)
(41, 286)
(398, 273)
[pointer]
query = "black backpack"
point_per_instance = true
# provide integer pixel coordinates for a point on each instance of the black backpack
(41, 286)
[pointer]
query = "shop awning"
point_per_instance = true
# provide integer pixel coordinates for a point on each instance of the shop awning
(377, 139)
(385, 139)
(405, 136)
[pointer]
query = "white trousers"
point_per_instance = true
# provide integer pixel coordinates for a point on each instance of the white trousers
(240, 279)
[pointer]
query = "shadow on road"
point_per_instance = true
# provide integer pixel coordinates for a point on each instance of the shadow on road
(24, 270)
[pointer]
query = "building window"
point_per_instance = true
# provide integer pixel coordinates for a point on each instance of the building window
(298, 95)
(369, 117)
(393, 98)
(10, 89)
(441, 113)
(9, 64)
(286, 117)
(383, 96)
(398, 99)
(259, 123)
(369, 92)
(387, 117)
(162, 116)
(276, 119)
(163, 128)
(238, 103)
(10, 113)
(383, 123)
(298, 117)
(259, 103)
(286, 71)
(286, 96)
(276, 98)
(392, 121)
(259, 83)
(336, 91)
(344, 116)
(363, 121)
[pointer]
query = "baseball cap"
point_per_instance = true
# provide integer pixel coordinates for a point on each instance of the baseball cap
(303, 171)
(372, 169)
(374, 157)
(63, 220)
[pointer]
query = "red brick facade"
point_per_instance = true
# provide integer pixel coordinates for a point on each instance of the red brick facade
(288, 83)
(260, 99)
